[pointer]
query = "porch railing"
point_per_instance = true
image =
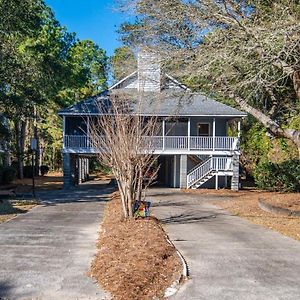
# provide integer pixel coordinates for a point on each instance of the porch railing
(160, 143)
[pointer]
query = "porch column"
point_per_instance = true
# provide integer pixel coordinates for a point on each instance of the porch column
(87, 169)
(217, 174)
(79, 170)
(67, 171)
(214, 134)
(183, 171)
(235, 175)
(239, 129)
(64, 129)
(163, 133)
(175, 171)
(88, 131)
(84, 170)
(189, 134)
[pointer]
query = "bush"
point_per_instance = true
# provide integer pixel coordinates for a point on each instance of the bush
(44, 170)
(278, 177)
(9, 174)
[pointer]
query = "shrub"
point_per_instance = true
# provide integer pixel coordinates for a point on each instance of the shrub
(44, 170)
(278, 177)
(9, 174)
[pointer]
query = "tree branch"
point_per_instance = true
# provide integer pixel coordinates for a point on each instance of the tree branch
(291, 134)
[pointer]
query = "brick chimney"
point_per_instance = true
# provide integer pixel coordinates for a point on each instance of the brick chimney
(149, 72)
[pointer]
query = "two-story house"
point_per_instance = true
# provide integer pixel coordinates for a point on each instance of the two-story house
(193, 145)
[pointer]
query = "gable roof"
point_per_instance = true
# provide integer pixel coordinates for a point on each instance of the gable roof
(173, 99)
(124, 81)
(131, 81)
(166, 103)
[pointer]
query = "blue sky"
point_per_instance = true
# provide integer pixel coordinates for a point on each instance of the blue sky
(90, 19)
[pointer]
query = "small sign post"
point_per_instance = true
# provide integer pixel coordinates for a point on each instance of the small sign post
(33, 147)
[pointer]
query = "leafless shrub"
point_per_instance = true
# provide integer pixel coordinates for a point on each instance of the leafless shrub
(122, 138)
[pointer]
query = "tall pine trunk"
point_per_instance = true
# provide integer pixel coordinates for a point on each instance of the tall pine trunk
(20, 128)
(38, 156)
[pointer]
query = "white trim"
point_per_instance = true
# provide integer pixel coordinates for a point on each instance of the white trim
(189, 133)
(175, 170)
(91, 151)
(122, 80)
(177, 82)
(217, 174)
(64, 130)
(163, 132)
(158, 115)
(214, 133)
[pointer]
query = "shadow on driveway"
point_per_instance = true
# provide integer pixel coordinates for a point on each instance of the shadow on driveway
(88, 192)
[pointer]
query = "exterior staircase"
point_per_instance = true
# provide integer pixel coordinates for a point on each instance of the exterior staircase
(207, 169)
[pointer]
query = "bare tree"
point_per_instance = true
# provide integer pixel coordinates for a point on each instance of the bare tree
(122, 137)
(248, 51)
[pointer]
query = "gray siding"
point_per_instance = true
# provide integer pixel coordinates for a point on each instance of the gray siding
(180, 128)
(221, 125)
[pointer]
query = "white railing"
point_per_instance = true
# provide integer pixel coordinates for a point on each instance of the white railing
(214, 164)
(199, 172)
(202, 143)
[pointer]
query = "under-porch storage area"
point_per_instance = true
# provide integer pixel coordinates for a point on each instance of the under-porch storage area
(194, 171)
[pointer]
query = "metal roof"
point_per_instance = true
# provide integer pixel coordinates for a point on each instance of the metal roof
(166, 103)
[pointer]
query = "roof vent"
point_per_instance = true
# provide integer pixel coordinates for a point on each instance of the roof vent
(149, 72)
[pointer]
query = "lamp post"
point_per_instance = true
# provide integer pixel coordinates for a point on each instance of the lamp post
(33, 147)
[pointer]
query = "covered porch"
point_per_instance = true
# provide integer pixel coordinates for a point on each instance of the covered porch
(178, 135)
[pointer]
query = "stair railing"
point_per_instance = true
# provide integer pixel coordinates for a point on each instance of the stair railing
(199, 172)
(202, 162)
(211, 164)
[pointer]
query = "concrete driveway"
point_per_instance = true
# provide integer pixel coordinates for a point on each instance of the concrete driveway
(228, 258)
(46, 253)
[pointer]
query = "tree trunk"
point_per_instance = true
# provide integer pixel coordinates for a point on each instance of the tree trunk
(296, 83)
(7, 155)
(130, 203)
(38, 149)
(272, 126)
(20, 127)
(123, 198)
(37, 153)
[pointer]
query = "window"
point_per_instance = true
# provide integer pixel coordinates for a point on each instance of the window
(203, 129)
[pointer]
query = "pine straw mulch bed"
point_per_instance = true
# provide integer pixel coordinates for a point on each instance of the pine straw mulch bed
(245, 204)
(134, 260)
(10, 209)
(51, 181)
